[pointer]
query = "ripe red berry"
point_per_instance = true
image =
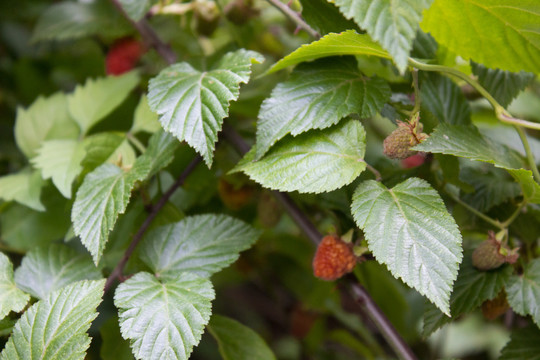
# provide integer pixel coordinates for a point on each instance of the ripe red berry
(123, 55)
(333, 259)
(413, 161)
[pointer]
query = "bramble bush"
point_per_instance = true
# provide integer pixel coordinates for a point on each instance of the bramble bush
(168, 169)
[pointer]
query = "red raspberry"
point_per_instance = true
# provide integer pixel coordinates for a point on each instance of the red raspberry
(333, 259)
(123, 55)
(413, 161)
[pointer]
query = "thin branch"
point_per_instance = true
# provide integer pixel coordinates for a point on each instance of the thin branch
(528, 152)
(484, 217)
(295, 17)
(514, 215)
(149, 36)
(119, 269)
(374, 171)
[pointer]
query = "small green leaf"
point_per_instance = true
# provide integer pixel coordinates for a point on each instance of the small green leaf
(136, 9)
(346, 43)
(325, 17)
(73, 20)
(393, 23)
(529, 187)
(523, 291)
(504, 86)
(94, 100)
(61, 161)
(317, 96)
(164, 319)
(144, 119)
(111, 147)
(237, 341)
(409, 229)
(202, 245)
(495, 24)
(192, 104)
(471, 289)
(24, 188)
(11, 298)
(159, 154)
(467, 142)
(444, 99)
(47, 269)
(523, 344)
(55, 328)
(313, 162)
(46, 119)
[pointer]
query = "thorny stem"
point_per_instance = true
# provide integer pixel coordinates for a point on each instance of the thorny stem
(297, 19)
(119, 269)
(360, 294)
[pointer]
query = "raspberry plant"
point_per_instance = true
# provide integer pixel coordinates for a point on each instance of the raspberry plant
(167, 168)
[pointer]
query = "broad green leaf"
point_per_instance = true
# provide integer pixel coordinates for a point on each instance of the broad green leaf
(444, 99)
(61, 161)
(504, 86)
(392, 23)
(192, 104)
(529, 187)
(24, 188)
(136, 9)
(94, 100)
(45, 119)
(74, 19)
(11, 298)
(467, 142)
(523, 344)
(494, 24)
(237, 341)
(103, 195)
(144, 119)
(345, 43)
(47, 269)
(55, 328)
(325, 17)
(313, 162)
(409, 229)
(202, 245)
(471, 289)
(114, 347)
(523, 291)
(111, 147)
(165, 318)
(318, 95)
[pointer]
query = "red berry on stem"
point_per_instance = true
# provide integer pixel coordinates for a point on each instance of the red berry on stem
(333, 259)
(123, 55)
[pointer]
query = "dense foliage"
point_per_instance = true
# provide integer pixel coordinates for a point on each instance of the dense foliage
(168, 167)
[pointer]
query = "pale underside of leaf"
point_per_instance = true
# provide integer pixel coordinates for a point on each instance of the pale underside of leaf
(409, 229)
(23, 187)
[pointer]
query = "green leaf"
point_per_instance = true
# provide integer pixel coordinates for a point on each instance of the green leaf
(73, 20)
(317, 96)
(346, 43)
(471, 289)
(144, 119)
(45, 119)
(237, 341)
(393, 23)
(24, 188)
(504, 86)
(523, 291)
(450, 168)
(325, 17)
(314, 162)
(47, 269)
(11, 298)
(114, 347)
(409, 229)
(495, 24)
(444, 99)
(529, 187)
(61, 161)
(103, 195)
(467, 142)
(523, 344)
(111, 147)
(164, 319)
(6, 326)
(202, 245)
(55, 328)
(192, 104)
(94, 100)
(136, 9)
(159, 154)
